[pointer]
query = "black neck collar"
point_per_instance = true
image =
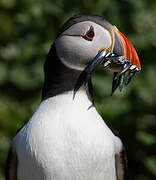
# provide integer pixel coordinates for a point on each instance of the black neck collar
(59, 78)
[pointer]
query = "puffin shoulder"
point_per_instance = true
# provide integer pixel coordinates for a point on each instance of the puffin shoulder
(120, 159)
(11, 165)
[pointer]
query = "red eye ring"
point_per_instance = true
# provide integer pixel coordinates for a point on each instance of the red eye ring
(89, 34)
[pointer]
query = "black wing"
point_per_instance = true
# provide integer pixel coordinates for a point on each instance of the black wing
(121, 165)
(11, 165)
(120, 160)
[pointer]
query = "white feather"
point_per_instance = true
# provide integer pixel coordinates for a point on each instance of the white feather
(64, 140)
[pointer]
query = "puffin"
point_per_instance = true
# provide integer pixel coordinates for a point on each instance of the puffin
(66, 138)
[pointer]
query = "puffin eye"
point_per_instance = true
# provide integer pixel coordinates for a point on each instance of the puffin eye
(89, 34)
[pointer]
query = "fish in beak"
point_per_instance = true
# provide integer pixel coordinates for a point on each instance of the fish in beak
(127, 59)
(120, 58)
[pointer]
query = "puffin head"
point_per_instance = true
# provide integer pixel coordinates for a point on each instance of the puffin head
(86, 41)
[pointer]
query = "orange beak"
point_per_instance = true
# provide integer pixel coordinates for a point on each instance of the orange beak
(123, 47)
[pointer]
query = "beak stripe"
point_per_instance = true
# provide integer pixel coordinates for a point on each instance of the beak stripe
(126, 46)
(129, 51)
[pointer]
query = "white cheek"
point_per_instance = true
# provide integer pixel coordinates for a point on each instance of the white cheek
(75, 52)
(102, 39)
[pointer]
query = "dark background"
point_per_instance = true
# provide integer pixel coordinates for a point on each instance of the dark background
(28, 28)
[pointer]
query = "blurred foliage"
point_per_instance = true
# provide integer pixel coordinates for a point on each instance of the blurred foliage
(28, 28)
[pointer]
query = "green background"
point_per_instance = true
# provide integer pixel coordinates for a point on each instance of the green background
(28, 28)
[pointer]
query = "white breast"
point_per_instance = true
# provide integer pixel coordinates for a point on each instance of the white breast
(66, 140)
